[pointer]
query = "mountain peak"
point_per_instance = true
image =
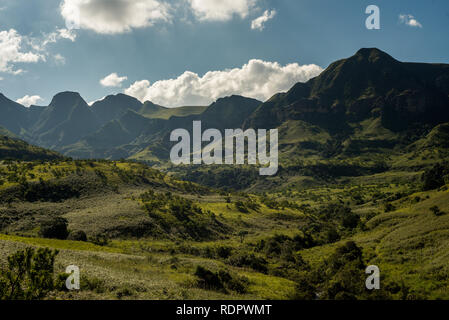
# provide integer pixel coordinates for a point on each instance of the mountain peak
(372, 55)
(120, 97)
(67, 94)
(113, 107)
(235, 99)
(66, 99)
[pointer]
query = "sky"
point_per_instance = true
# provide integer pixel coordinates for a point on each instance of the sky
(192, 52)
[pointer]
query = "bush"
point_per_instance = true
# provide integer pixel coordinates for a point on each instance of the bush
(208, 279)
(350, 220)
(434, 177)
(250, 261)
(224, 252)
(221, 280)
(78, 236)
(331, 235)
(29, 275)
(100, 240)
(389, 207)
(436, 211)
(55, 228)
(304, 289)
(240, 206)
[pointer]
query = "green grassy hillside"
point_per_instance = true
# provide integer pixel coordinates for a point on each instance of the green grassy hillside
(149, 236)
(12, 148)
(156, 112)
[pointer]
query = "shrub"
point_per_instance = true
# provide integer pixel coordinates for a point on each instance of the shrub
(332, 235)
(304, 289)
(55, 228)
(221, 280)
(436, 211)
(208, 279)
(29, 275)
(100, 240)
(78, 236)
(250, 261)
(240, 206)
(434, 177)
(350, 220)
(389, 207)
(224, 252)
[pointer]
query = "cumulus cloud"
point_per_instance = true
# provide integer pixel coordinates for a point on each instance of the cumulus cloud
(259, 23)
(257, 79)
(409, 20)
(112, 80)
(221, 10)
(112, 17)
(16, 48)
(28, 101)
(90, 103)
(12, 52)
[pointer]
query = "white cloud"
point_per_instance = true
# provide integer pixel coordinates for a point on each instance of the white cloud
(59, 59)
(41, 43)
(112, 80)
(409, 20)
(259, 23)
(16, 48)
(11, 52)
(27, 101)
(66, 34)
(256, 79)
(139, 90)
(90, 103)
(221, 10)
(117, 16)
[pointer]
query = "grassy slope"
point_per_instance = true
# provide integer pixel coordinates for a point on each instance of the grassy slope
(409, 244)
(146, 267)
(12, 148)
(167, 113)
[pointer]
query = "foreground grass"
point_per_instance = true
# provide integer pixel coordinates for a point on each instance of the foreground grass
(108, 272)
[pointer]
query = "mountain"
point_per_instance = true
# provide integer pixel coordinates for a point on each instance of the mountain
(229, 112)
(371, 83)
(66, 120)
(113, 107)
(13, 116)
(145, 133)
(362, 107)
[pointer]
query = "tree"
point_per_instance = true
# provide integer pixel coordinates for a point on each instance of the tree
(55, 228)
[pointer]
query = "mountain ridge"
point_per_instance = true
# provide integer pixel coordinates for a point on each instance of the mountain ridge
(399, 99)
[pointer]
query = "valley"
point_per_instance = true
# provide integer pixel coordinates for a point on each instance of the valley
(363, 180)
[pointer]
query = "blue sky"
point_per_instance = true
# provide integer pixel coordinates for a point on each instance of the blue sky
(141, 42)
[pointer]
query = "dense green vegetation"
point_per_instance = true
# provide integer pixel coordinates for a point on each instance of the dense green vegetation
(310, 243)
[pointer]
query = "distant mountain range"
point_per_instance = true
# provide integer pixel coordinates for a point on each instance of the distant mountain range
(367, 102)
